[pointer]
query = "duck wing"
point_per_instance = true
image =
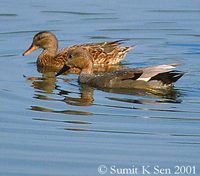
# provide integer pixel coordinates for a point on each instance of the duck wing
(102, 53)
(154, 77)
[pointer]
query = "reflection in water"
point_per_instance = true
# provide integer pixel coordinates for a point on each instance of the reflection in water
(143, 101)
(63, 121)
(86, 97)
(47, 84)
(109, 131)
(171, 94)
(168, 96)
(43, 109)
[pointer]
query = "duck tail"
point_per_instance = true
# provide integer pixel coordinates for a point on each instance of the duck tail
(168, 77)
(119, 42)
(128, 48)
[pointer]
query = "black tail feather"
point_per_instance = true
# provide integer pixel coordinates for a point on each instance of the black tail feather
(168, 77)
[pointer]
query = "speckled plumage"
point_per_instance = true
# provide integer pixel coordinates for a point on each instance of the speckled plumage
(104, 53)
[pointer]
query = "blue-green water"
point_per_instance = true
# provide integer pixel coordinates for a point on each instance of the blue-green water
(52, 126)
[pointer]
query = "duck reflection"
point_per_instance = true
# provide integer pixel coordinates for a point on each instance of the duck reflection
(72, 112)
(159, 96)
(86, 97)
(164, 95)
(63, 121)
(47, 84)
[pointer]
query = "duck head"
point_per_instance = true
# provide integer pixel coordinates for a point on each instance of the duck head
(78, 58)
(45, 40)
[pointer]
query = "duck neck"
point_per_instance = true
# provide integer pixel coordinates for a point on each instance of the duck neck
(86, 73)
(50, 49)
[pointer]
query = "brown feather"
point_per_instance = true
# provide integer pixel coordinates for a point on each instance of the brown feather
(104, 53)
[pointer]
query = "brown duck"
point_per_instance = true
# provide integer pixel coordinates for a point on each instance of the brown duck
(105, 53)
(157, 77)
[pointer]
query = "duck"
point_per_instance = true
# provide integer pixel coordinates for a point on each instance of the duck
(147, 78)
(103, 53)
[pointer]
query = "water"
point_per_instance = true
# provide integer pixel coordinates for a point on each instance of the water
(55, 127)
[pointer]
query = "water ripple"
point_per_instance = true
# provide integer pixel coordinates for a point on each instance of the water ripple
(22, 32)
(75, 13)
(43, 109)
(176, 11)
(64, 121)
(8, 14)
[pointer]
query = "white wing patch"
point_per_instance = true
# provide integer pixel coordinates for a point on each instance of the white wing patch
(150, 72)
(144, 79)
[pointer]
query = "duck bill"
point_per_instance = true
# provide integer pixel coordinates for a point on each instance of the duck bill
(30, 50)
(64, 69)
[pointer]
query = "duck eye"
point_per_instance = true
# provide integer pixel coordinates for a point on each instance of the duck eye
(70, 56)
(40, 37)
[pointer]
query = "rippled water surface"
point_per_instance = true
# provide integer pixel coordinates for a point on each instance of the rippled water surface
(54, 126)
